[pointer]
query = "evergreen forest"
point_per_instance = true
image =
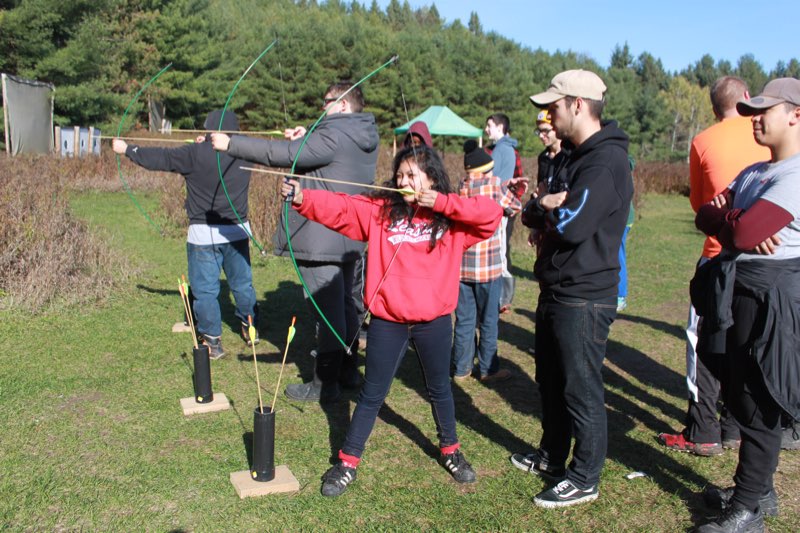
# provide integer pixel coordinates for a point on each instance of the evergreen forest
(99, 53)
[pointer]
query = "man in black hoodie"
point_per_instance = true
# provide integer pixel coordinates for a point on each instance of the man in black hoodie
(216, 239)
(578, 273)
(343, 147)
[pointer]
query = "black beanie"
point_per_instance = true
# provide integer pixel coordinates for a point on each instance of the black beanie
(476, 159)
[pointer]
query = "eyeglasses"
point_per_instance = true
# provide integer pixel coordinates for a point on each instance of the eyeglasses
(544, 133)
(327, 101)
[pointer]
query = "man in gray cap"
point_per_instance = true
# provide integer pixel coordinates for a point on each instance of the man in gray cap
(754, 284)
(578, 273)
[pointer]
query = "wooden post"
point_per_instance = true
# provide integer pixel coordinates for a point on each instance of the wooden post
(76, 141)
(52, 103)
(5, 115)
(57, 140)
(89, 146)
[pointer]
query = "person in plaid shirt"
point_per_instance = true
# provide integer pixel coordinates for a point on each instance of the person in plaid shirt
(481, 267)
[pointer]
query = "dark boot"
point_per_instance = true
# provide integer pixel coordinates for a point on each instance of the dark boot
(214, 344)
(314, 391)
(735, 520)
(720, 499)
(324, 387)
(349, 376)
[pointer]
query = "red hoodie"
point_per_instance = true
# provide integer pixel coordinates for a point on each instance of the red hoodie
(420, 129)
(422, 284)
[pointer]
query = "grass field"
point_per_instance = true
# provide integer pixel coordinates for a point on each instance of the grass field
(93, 437)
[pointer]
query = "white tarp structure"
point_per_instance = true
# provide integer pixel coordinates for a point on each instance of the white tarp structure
(27, 115)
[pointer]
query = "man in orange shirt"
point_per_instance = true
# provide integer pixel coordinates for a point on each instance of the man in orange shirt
(717, 156)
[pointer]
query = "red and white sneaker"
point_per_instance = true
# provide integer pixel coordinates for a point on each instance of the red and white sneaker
(679, 443)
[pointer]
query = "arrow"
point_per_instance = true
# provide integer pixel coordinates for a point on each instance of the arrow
(405, 192)
(145, 139)
(234, 132)
(187, 307)
(289, 337)
(252, 332)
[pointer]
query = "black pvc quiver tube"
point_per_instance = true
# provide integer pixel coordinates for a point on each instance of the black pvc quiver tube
(263, 445)
(202, 375)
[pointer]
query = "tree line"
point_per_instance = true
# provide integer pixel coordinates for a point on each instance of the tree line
(98, 53)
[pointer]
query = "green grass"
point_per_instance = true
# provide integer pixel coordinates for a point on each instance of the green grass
(93, 437)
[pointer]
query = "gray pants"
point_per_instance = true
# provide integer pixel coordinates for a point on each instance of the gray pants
(507, 284)
(331, 285)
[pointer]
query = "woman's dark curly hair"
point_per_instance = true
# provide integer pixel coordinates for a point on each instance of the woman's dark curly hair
(395, 208)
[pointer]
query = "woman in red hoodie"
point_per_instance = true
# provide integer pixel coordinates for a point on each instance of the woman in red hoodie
(416, 242)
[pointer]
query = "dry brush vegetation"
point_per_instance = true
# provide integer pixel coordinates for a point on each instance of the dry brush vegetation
(47, 257)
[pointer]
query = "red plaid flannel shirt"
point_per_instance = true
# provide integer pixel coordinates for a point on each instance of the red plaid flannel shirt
(483, 262)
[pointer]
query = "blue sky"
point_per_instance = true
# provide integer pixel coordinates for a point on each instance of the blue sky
(678, 32)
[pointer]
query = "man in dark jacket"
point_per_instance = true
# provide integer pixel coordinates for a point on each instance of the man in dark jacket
(578, 273)
(344, 146)
(216, 239)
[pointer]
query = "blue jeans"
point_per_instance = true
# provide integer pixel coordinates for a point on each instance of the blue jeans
(387, 343)
(205, 264)
(622, 291)
(478, 305)
(571, 336)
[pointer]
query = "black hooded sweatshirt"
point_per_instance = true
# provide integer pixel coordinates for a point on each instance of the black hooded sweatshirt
(205, 198)
(579, 255)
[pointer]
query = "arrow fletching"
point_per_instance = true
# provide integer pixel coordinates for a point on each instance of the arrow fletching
(292, 331)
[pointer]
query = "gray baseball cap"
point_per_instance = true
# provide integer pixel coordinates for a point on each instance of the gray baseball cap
(776, 92)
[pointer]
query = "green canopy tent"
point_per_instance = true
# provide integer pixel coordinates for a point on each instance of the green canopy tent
(441, 120)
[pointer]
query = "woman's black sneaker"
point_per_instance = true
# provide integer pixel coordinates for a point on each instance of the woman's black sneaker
(336, 479)
(459, 468)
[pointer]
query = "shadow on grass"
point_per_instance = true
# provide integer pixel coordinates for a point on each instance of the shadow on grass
(409, 429)
(226, 305)
(522, 273)
(467, 414)
(517, 336)
(658, 325)
(189, 364)
(635, 455)
(651, 374)
(277, 308)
